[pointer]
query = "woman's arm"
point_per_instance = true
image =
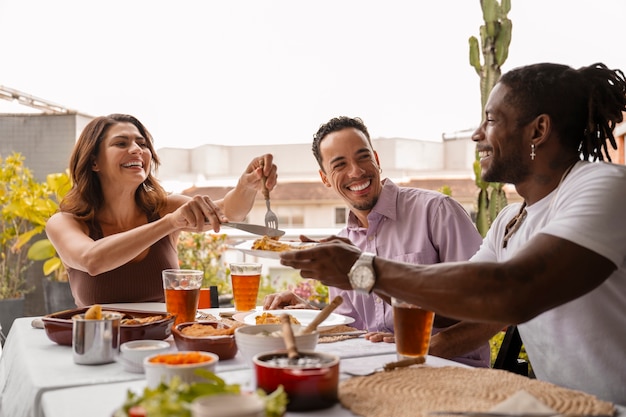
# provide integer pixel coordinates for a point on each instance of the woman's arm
(237, 203)
(77, 250)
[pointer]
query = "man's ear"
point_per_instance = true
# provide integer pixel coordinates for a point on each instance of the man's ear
(377, 161)
(324, 179)
(541, 128)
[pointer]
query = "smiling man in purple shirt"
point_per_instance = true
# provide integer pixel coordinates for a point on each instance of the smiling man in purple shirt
(404, 224)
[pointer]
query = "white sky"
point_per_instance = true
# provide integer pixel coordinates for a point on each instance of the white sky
(258, 71)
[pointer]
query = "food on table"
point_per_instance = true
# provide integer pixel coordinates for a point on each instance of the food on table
(214, 337)
(199, 330)
(273, 244)
(173, 399)
(269, 318)
(59, 325)
(94, 312)
(141, 320)
(181, 358)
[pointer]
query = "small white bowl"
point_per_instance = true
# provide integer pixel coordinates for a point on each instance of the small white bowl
(228, 405)
(177, 364)
(133, 353)
(252, 340)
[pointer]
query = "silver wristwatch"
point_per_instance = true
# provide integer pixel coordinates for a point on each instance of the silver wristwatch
(362, 275)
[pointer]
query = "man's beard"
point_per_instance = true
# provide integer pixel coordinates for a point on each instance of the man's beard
(508, 168)
(506, 171)
(366, 205)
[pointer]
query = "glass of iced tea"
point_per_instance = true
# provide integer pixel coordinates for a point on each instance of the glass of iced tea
(412, 327)
(245, 278)
(182, 291)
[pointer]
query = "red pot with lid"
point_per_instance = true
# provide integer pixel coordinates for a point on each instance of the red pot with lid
(311, 382)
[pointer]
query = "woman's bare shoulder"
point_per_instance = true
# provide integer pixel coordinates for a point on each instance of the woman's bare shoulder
(64, 221)
(62, 217)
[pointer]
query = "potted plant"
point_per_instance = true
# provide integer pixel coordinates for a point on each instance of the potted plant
(24, 204)
(203, 251)
(57, 293)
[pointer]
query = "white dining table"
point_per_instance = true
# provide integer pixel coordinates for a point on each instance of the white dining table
(38, 377)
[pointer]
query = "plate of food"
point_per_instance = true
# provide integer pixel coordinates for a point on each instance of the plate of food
(267, 247)
(297, 316)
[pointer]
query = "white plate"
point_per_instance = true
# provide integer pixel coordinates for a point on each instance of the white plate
(304, 317)
(246, 247)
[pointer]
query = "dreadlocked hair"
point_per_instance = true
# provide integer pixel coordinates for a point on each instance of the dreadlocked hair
(606, 103)
(584, 104)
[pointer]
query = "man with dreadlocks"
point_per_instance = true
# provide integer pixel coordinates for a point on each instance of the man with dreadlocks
(554, 264)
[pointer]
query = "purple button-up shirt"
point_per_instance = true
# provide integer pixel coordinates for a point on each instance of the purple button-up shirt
(415, 226)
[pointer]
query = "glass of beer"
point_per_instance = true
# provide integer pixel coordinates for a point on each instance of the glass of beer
(182, 291)
(412, 327)
(245, 279)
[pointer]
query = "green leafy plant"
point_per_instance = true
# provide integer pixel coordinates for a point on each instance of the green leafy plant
(495, 37)
(446, 190)
(204, 252)
(42, 250)
(496, 341)
(311, 290)
(24, 208)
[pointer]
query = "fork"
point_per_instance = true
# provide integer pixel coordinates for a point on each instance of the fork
(271, 220)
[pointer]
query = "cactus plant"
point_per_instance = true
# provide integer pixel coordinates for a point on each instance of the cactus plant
(495, 37)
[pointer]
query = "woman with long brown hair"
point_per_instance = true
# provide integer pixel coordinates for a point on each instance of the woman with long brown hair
(117, 228)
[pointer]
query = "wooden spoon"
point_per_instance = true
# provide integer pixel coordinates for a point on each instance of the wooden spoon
(290, 340)
(323, 315)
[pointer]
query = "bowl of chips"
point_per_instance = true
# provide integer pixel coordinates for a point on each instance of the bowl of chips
(207, 336)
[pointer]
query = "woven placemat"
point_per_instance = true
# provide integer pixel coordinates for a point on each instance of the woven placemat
(416, 391)
(342, 328)
(331, 336)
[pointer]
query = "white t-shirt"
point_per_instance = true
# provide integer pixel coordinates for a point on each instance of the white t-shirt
(581, 344)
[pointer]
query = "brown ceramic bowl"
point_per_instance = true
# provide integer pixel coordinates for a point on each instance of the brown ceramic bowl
(59, 325)
(310, 384)
(223, 346)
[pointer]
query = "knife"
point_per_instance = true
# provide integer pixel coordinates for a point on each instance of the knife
(255, 229)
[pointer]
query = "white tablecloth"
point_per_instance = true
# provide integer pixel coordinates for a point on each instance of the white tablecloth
(32, 365)
(38, 378)
(103, 400)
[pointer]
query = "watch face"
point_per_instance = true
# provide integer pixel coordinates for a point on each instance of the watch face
(363, 277)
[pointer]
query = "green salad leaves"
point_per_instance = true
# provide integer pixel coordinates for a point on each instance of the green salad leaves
(174, 399)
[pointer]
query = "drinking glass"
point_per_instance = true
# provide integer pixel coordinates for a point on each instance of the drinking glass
(412, 327)
(245, 278)
(182, 291)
